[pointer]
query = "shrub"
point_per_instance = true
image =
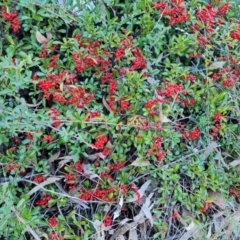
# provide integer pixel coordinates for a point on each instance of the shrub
(123, 112)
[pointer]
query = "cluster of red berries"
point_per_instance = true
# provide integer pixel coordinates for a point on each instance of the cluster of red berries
(44, 53)
(234, 192)
(16, 167)
(105, 176)
(139, 61)
(188, 102)
(176, 13)
(196, 55)
(123, 189)
(112, 91)
(98, 194)
(54, 115)
(223, 9)
(106, 151)
(78, 166)
(100, 142)
(232, 76)
(202, 41)
(29, 136)
(59, 85)
(124, 105)
(123, 71)
(151, 103)
(211, 18)
(217, 117)
(53, 62)
(157, 143)
(193, 135)
(106, 194)
(206, 14)
(145, 125)
(157, 149)
(236, 34)
(48, 138)
(55, 236)
(39, 179)
(11, 149)
(160, 6)
(78, 63)
(107, 221)
(112, 87)
(11, 17)
(52, 222)
(175, 215)
(205, 207)
(116, 166)
(176, 91)
(190, 77)
(92, 114)
(119, 53)
(170, 90)
(161, 155)
(12, 167)
(214, 131)
(44, 201)
(70, 179)
(91, 58)
(106, 77)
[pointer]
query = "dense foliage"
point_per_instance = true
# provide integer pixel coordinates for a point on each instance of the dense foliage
(119, 118)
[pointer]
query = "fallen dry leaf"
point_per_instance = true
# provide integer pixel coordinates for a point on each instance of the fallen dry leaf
(209, 232)
(185, 212)
(106, 105)
(43, 184)
(94, 156)
(54, 157)
(233, 222)
(146, 208)
(193, 230)
(100, 228)
(151, 80)
(119, 207)
(65, 160)
(127, 227)
(218, 199)
(210, 149)
(49, 35)
(234, 163)
(133, 234)
(144, 187)
(40, 38)
(121, 237)
(140, 163)
(87, 170)
(164, 119)
(219, 64)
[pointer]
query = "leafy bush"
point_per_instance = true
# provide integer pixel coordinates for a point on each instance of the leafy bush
(122, 112)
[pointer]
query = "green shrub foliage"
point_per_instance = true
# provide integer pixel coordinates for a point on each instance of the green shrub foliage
(117, 112)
